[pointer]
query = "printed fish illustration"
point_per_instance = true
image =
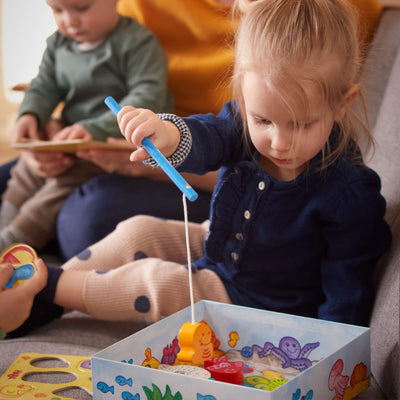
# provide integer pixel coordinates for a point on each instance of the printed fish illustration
(123, 381)
(103, 387)
(206, 397)
(337, 381)
(130, 396)
(308, 396)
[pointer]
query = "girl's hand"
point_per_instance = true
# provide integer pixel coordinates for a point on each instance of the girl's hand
(73, 132)
(16, 303)
(138, 123)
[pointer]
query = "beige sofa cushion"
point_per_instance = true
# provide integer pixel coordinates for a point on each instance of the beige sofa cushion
(382, 80)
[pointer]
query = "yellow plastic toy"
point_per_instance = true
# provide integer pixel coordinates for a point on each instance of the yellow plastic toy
(196, 343)
(22, 258)
(16, 383)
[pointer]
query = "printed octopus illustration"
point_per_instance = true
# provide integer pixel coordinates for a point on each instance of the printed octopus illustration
(289, 352)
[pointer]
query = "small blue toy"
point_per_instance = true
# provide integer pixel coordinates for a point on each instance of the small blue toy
(22, 258)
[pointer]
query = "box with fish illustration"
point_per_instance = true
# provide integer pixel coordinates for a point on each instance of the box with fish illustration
(256, 354)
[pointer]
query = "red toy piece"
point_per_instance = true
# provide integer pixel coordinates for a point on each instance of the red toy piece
(215, 360)
(226, 371)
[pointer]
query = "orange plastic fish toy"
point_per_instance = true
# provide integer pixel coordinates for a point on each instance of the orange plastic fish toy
(196, 343)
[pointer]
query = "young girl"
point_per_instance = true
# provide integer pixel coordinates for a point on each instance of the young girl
(297, 220)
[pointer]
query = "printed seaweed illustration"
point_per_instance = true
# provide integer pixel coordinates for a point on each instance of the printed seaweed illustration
(157, 395)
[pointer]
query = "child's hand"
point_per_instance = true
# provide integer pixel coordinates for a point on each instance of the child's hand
(73, 132)
(25, 127)
(16, 303)
(138, 123)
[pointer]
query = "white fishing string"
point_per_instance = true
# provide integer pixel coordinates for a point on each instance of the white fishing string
(189, 260)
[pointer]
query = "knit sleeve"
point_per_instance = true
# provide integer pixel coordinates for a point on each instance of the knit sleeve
(356, 236)
(43, 94)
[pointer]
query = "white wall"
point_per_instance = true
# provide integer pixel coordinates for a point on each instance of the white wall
(25, 25)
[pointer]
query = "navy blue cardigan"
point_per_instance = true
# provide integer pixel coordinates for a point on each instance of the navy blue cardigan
(305, 247)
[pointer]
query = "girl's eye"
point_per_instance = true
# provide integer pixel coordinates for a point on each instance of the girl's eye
(304, 126)
(307, 125)
(262, 121)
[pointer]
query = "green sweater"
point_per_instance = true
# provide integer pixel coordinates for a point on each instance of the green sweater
(129, 65)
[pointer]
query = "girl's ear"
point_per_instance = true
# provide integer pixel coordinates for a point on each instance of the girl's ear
(348, 99)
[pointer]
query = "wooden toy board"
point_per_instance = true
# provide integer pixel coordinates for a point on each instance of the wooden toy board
(68, 146)
(28, 375)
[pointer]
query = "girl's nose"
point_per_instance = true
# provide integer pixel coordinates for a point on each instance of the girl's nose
(281, 140)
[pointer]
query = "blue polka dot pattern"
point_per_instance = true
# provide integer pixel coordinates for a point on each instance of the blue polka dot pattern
(142, 304)
(139, 255)
(84, 255)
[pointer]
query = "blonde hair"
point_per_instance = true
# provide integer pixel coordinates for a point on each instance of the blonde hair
(287, 42)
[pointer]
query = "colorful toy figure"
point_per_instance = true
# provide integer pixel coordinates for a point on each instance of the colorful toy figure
(22, 258)
(225, 371)
(196, 343)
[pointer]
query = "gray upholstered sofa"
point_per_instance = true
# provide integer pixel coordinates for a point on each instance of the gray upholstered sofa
(77, 334)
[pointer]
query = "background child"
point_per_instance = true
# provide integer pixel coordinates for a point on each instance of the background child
(296, 220)
(94, 52)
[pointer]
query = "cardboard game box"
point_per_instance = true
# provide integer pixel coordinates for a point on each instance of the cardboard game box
(285, 357)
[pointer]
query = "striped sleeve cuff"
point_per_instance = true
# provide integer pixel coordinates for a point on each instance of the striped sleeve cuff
(184, 146)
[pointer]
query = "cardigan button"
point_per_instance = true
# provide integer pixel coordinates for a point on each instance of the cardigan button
(247, 214)
(234, 256)
(261, 185)
(239, 236)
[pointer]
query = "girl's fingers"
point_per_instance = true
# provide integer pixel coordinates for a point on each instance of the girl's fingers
(39, 280)
(124, 116)
(139, 155)
(35, 284)
(135, 124)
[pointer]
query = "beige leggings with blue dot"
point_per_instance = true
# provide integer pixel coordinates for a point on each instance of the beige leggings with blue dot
(140, 270)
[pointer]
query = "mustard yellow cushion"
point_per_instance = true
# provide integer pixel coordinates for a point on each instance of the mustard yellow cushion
(197, 36)
(370, 11)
